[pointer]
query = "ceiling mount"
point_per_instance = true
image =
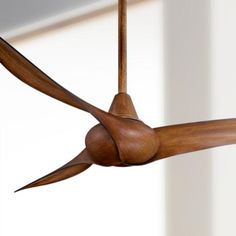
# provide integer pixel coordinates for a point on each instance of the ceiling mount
(120, 138)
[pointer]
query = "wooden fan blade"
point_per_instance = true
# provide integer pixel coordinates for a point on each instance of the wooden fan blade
(27, 72)
(72, 168)
(184, 138)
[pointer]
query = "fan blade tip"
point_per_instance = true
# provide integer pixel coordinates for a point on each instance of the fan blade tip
(67, 171)
(25, 187)
(20, 189)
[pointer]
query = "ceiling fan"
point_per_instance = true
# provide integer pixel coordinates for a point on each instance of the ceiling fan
(120, 138)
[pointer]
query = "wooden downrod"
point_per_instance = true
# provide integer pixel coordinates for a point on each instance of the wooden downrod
(122, 6)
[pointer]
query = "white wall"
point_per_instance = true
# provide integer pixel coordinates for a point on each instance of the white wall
(39, 134)
(200, 82)
(223, 91)
(188, 99)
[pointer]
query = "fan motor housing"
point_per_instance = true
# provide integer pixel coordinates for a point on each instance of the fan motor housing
(101, 147)
(133, 144)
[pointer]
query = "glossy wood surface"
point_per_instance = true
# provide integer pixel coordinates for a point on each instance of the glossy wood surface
(28, 73)
(76, 166)
(123, 106)
(184, 138)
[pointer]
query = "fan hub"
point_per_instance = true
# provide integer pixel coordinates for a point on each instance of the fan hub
(137, 143)
(133, 143)
(101, 147)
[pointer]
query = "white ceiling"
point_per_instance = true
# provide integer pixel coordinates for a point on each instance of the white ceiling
(15, 14)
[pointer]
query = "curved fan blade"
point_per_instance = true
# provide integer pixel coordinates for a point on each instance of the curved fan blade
(184, 138)
(72, 168)
(27, 72)
(24, 70)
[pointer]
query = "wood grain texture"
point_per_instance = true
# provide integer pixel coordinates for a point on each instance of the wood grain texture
(125, 140)
(28, 73)
(184, 138)
(76, 166)
(123, 106)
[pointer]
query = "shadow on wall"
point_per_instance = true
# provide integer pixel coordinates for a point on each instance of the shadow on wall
(188, 98)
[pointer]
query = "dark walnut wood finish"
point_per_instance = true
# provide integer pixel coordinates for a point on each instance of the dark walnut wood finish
(120, 138)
